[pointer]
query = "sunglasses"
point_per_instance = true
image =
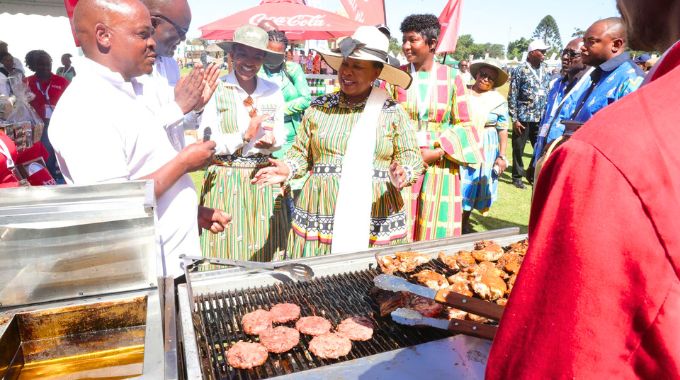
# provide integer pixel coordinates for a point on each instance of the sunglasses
(182, 32)
(487, 76)
(571, 53)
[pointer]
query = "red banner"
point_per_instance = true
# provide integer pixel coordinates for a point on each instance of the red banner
(450, 20)
(70, 6)
(369, 12)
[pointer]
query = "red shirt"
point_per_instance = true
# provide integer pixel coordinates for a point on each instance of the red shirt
(598, 296)
(52, 88)
(7, 178)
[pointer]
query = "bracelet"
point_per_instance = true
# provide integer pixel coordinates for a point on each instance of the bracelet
(502, 157)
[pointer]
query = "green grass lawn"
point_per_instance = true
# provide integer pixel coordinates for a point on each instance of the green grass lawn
(510, 210)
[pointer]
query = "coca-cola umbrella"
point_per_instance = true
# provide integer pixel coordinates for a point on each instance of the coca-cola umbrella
(299, 21)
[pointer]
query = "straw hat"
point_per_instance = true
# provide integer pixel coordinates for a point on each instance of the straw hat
(368, 44)
(254, 37)
(494, 64)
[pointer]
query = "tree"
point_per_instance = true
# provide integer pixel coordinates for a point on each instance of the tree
(467, 47)
(578, 32)
(395, 46)
(548, 31)
(516, 48)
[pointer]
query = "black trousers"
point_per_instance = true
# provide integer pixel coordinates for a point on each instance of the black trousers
(519, 141)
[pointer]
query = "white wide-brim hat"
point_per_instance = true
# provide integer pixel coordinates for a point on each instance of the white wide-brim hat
(254, 37)
(494, 64)
(368, 44)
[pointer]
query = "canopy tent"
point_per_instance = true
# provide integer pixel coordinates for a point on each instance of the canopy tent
(33, 7)
(300, 22)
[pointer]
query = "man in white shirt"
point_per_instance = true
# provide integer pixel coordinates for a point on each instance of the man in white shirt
(102, 132)
(177, 101)
(17, 62)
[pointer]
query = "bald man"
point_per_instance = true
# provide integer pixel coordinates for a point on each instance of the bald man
(102, 132)
(178, 102)
(598, 295)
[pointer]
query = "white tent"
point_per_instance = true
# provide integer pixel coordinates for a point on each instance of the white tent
(36, 24)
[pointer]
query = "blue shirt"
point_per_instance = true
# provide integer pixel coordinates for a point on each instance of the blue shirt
(612, 80)
(528, 92)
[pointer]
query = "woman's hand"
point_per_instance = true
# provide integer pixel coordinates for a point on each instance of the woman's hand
(254, 125)
(397, 175)
(430, 156)
(266, 142)
(212, 220)
(502, 165)
(277, 173)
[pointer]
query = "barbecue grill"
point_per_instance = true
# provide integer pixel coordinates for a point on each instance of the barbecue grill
(213, 303)
(78, 294)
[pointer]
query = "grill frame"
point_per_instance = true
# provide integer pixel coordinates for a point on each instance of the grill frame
(235, 280)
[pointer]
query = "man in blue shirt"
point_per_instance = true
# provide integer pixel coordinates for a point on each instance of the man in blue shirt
(615, 74)
(564, 93)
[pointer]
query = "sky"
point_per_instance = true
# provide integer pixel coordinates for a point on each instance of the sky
(493, 21)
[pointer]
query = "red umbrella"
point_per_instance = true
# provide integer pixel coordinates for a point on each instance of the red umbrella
(299, 21)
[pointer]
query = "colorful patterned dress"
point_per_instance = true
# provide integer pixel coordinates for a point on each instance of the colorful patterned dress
(260, 221)
(320, 146)
(489, 113)
(435, 200)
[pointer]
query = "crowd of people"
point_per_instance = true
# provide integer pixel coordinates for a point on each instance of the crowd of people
(399, 154)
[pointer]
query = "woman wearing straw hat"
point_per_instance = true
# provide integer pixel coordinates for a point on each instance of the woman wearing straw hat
(489, 114)
(245, 117)
(358, 144)
(437, 107)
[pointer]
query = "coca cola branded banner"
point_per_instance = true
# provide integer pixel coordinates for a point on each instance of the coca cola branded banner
(294, 21)
(368, 12)
(70, 6)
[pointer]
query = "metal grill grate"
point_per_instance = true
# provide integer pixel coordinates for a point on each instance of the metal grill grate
(336, 297)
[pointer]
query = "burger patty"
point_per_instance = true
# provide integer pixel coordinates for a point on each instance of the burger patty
(356, 328)
(246, 355)
(313, 325)
(279, 339)
(256, 322)
(330, 346)
(285, 312)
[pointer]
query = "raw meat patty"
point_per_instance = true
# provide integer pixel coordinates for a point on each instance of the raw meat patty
(356, 328)
(256, 322)
(279, 339)
(246, 355)
(284, 312)
(313, 325)
(330, 346)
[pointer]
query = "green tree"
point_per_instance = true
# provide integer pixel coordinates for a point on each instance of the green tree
(578, 32)
(395, 46)
(517, 47)
(548, 31)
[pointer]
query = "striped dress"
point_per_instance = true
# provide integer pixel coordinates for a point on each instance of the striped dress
(260, 221)
(489, 113)
(319, 147)
(435, 202)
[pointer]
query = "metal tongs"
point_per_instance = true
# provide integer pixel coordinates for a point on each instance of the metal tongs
(296, 271)
(446, 297)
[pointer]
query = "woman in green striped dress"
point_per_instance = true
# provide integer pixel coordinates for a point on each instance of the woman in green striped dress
(329, 143)
(245, 117)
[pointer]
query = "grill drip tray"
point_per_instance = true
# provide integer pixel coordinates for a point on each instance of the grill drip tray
(335, 297)
(100, 341)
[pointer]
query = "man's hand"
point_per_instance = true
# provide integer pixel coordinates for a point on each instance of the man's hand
(188, 90)
(197, 156)
(430, 156)
(502, 165)
(518, 127)
(397, 175)
(213, 220)
(271, 175)
(210, 75)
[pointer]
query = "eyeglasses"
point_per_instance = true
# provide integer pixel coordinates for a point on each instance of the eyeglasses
(571, 53)
(182, 32)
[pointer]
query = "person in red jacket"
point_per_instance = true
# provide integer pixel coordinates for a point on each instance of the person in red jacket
(598, 295)
(47, 88)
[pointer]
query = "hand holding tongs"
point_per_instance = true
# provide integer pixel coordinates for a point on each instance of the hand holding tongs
(447, 297)
(296, 271)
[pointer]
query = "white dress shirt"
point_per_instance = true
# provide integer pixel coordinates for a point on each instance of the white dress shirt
(159, 95)
(267, 94)
(102, 132)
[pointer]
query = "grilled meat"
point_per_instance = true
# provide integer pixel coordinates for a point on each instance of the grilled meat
(247, 355)
(356, 328)
(313, 325)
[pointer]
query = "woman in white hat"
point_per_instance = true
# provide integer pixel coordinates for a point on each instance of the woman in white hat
(245, 119)
(489, 114)
(358, 144)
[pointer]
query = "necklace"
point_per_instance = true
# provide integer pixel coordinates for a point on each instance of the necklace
(249, 103)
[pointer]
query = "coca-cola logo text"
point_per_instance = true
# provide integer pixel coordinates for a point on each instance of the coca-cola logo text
(295, 21)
